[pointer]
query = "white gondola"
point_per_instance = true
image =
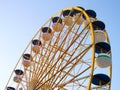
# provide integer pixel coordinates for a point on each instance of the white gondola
(103, 60)
(17, 79)
(36, 48)
(10, 88)
(68, 20)
(86, 23)
(78, 19)
(26, 60)
(36, 45)
(57, 27)
(99, 36)
(92, 15)
(18, 76)
(46, 34)
(26, 63)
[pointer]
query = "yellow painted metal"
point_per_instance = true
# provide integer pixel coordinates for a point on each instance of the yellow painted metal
(110, 67)
(45, 70)
(93, 47)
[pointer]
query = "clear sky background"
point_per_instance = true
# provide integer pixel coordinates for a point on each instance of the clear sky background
(21, 19)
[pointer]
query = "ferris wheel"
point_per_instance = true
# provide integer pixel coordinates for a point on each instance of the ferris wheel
(71, 51)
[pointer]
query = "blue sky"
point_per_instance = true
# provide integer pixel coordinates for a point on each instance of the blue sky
(20, 20)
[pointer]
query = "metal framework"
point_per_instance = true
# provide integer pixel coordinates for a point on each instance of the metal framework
(66, 62)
